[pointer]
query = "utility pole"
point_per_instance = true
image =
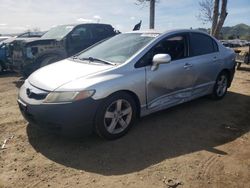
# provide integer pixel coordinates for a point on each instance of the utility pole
(152, 14)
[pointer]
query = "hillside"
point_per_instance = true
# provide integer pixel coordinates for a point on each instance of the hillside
(241, 31)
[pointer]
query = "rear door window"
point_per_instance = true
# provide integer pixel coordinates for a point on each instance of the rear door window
(79, 39)
(102, 32)
(202, 44)
(81, 33)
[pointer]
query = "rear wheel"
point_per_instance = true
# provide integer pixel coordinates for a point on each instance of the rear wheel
(221, 85)
(116, 116)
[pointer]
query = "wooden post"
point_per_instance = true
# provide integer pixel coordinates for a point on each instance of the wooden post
(152, 14)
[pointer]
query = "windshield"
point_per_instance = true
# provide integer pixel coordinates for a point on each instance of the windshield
(118, 49)
(58, 32)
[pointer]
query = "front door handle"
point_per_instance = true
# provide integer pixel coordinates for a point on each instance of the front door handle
(187, 65)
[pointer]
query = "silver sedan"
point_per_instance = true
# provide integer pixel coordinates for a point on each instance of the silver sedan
(107, 86)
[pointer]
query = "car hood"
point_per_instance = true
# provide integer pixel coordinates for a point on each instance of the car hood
(40, 41)
(57, 74)
(24, 40)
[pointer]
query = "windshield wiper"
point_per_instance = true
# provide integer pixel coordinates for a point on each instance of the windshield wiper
(74, 57)
(92, 59)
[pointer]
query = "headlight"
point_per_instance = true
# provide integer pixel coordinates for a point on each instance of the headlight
(68, 96)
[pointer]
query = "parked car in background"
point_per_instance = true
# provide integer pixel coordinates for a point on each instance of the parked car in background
(2, 38)
(22, 36)
(242, 55)
(31, 34)
(105, 87)
(3, 53)
(2, 58)
(6, 44)
(58, 43)
(235, 43)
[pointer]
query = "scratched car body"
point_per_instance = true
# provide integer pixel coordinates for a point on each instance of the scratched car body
(105, 87)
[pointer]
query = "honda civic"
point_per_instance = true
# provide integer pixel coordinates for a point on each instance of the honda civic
(104, 88)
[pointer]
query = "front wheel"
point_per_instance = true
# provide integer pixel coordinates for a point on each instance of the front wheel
(221, 85)
(116, 116)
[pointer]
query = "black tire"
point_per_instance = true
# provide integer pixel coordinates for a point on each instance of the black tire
(220, 86)
(39, 63)
(1, 67)
(103, 121)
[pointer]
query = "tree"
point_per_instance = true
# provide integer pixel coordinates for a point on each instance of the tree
(209, 12)
(151, 11)
(206, 11)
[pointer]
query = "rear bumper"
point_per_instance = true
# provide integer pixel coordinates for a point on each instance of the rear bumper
(71, 119)
(231, 72)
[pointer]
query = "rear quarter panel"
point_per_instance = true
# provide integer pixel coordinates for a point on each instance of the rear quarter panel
(227, 57)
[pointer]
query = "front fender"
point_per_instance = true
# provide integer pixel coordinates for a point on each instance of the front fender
(106, 84)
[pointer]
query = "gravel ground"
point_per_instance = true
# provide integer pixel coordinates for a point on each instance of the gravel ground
(203, 143)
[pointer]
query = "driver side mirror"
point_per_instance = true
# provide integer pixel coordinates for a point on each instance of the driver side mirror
(160, 59)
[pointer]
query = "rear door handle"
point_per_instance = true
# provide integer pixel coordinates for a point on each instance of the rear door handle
(187, 65)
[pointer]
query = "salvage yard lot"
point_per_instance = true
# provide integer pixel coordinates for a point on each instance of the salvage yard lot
(203, 143)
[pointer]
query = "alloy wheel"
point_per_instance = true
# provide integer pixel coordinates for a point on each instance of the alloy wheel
(222, 85)
(118, 116)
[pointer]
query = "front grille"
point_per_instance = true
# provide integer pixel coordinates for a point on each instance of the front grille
(39, 96)
(35, 93)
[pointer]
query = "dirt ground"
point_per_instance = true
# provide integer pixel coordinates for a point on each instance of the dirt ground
(203, 143)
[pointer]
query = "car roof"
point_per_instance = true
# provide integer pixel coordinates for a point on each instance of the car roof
(150, 31)
(172, 31)
(5, 36)
(77, 24)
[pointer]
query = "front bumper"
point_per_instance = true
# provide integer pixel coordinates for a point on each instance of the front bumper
(73, 119)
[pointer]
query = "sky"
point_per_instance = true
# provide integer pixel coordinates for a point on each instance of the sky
(17, 16)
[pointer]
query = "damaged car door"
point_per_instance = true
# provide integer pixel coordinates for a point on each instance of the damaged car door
(206, 61)
(171, 82)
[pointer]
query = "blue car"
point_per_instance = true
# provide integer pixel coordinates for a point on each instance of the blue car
(3, 57)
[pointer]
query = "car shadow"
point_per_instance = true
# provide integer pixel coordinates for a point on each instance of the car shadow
(202, 124)
(8, 74)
